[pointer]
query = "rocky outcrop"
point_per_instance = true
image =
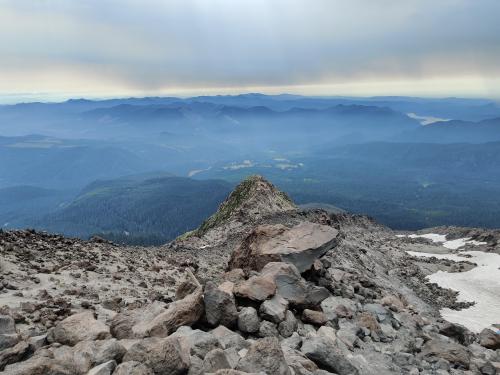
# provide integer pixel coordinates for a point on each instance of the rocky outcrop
(300, 245)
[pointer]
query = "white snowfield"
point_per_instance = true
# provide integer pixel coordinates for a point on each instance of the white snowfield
(480, 285)
(441, 238)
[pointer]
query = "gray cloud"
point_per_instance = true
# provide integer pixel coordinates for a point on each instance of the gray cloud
(156, 45)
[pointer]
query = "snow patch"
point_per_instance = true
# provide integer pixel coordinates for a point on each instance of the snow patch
(441, 238)
(480, 285)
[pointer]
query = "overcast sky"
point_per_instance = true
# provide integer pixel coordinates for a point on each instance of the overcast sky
(51, 48)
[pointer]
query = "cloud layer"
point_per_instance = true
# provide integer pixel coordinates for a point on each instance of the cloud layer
(320, 46)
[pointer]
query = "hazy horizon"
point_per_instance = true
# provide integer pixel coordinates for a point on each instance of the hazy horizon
(54, 50)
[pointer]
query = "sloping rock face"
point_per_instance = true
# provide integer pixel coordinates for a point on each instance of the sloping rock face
(300, 245)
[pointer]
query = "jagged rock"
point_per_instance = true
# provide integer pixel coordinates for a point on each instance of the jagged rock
(78, 327)
(323, 351)
(8, 341)
(274, 309)
(7, 325)
(449, 351)
(298, 362)
(489, 339)
(215, 360)
(288, 326)
(256, 288)
(130, 323)
(197, 342)
(39, 365)
(292, 287)
(314, 317)
(334, 307)
(457, 332)
(132, 368)
(248, 320)
(162, 355)
(380, 312)
(300, 245)
(87, 354)
(229, 339)
(105, 368)
(186, 311)
(268, 329)
(220, 306)
(265, 355)
(15, 354)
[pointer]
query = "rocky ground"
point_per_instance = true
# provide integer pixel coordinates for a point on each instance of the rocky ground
(261, 287)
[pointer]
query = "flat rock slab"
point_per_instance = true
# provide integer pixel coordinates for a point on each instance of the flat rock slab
(300, 245)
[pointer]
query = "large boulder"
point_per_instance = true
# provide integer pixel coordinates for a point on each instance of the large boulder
(7, 325)
(220, 305)
(128, 324)
(184, 312)
(440, 349)
(78, 327)
(489, 339)
(300, 245)
(15, 354)
(88, 354)
(292, 287)
(40, 365)
(132, 368)
(164, 356)
(265, 355)
(274, 309)
(248, 320)
(256, 288)
(324, 352)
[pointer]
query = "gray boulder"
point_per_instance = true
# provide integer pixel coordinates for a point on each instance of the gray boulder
(220, 306)
(105, 368)
(268, 329)
(489, 339)
(215, 360)
(7, 325)
(248, 320)
(274, 309)
(288, 326)
(265, 355)
(78, 327)
(323, 351)
(132, 368)
(164, 356)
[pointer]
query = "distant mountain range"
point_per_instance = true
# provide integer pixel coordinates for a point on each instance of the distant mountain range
(366, 155)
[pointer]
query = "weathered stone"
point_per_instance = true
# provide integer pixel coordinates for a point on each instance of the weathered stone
(248, 320)
(198, 342)
(186, 311)
(7, 325)
(288, 326)
(367, 320)
(78, 327)
(457, 332)
(338, 307)
(129, 324)
(105, 368)
(164, 356)
(215, 360)
(300, 245)
(229, 339)
(268, 329)
(15, 354)
(265, 355)
(393, 302)
(298, 362)
(450, 351)
(40, 365)
(314, 317)
(323, 351)
(292, 287)
(256, 288)
(274, 309)
(132, 368)
(380, 312)
(489, 339)
(220, 306)
(88, 354)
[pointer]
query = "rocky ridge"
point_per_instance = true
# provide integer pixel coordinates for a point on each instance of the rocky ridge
(262, 288)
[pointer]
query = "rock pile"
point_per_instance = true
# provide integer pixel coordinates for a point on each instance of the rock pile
(317, 295)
